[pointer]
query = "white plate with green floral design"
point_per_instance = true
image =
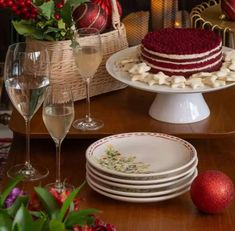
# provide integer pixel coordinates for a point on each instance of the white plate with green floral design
(130, 192)
(97, 178)
(141, 154)
(169, 178)
(140, 199)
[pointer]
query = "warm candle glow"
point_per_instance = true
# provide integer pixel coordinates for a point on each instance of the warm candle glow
(177, 24)
(163, 13)
(136, 25)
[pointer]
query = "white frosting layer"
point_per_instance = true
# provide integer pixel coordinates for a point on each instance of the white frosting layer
(190, 56)
(184, 63)
(184, 70)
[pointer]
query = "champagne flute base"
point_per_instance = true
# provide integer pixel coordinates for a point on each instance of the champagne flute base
(60, 187)
(84, 125)
(29, 173)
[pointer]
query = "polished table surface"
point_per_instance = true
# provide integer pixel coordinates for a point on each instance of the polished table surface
(178, 214)
(126, 110)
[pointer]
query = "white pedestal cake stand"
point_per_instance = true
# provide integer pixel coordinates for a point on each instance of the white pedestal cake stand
(170, 105)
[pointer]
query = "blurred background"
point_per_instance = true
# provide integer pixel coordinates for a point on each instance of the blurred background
(8, 35)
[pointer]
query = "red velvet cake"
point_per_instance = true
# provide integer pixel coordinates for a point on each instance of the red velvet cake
(182, 51)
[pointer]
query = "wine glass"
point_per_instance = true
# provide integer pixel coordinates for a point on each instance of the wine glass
(58, 116)
(88, 56)
(26, 77)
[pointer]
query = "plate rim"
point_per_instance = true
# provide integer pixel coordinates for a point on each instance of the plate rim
(142, 194)
(188, 145)
(139, 199)
(139, 186)
(151, 181)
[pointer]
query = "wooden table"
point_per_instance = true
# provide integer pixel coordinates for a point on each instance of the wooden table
(178, 214)
(127, 111)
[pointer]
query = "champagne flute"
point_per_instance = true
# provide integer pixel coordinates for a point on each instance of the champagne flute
(58, 116)
(88, 56)
(26, 77)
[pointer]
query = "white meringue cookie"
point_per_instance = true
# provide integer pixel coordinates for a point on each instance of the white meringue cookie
(139, 68)
(195, 83)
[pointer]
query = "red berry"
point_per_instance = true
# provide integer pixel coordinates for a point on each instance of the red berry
(59, 5)
(57, 16)
(14, 8)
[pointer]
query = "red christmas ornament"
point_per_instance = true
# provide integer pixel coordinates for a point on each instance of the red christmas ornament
(228, 8)
(212, 191)
(90, 15)
(106, 5)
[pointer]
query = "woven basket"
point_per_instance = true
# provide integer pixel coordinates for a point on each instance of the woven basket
(63, 68)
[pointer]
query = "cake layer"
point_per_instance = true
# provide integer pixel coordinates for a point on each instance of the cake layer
(180, 58)
(186, 73)
(181, 41)
(185, 66)
(180, 51)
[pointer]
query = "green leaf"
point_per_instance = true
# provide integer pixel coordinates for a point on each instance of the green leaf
(23, 221)
(5, 222)
(66, 11)
(51, 30)
(56, 225)
(75, 3)
(81, 217)
(48, 201)
(27, 29)
(61, 24)
(37, 2)
(66, 14)
(20, 200)
(8, 189)
(47, 9)
(68, 202)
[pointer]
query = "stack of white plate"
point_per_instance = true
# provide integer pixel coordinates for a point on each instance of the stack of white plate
(141, 167)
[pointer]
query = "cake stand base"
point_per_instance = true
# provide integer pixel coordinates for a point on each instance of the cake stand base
(179, 108)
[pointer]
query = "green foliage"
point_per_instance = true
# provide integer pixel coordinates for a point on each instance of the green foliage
(51, 218)
(46, 26)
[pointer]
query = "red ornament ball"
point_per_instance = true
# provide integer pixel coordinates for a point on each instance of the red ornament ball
(212, 191)
(90, 15)
(228, 8)
(106, 5)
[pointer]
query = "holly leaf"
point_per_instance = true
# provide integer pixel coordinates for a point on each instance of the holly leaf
(51, 29)
(75, 3)
(37, 2)
(67, 10)
(61, 24)
(26, 28)
(47, 9)
(8, 189)
(66, 14)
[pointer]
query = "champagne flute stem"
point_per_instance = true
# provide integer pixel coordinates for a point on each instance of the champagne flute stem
(88, 104)
(27, 126)
(58, 177)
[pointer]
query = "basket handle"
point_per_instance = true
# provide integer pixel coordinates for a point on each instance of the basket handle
(115, 15)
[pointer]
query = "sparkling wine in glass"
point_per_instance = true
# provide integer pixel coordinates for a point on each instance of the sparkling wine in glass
(58, 116)
(88, 56)
(26, 77)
